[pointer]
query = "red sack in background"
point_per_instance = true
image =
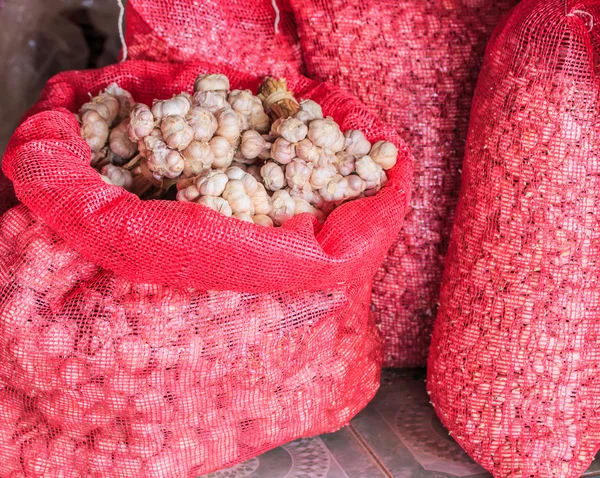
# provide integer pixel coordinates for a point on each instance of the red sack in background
(414, 62)
(236, 33)
(513, 368)
(160, 338)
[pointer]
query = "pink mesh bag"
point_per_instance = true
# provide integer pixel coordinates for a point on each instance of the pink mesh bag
(414, 62)
(162, 339)
(513, 369)
(254, 37)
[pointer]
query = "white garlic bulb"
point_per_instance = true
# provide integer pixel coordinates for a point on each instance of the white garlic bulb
(325, 133)
(307, 151)
(124, 98)
(117, 176)
(253, 144)
(309, 110)
(303, 206)
(310, 195)
(94, 130)
(272, 176)
(274, 126)
(179, 105)
(292, 130)
(107, 106)
(356, 185)
(119, 141)
(284, 207)
(356, 143)
(368, 169)
(241, 101)
(176, 132)
(216, 203)
(261, 201)
(198, 156)
(235, 172)
(244, 217)
(335, 189)
(211, 183)
(385, 154)
(211, 82)
(298, 173)
(259, 120)
(203, 122)
(321, 176)
(283, 151)
(229, 124)
(165, 162)
(146, 145)
(251, 185)
(188, 194)
(262, 220)
(141, 122)
(210, 100)
(223, 152)
(236, 196)
(345, 163)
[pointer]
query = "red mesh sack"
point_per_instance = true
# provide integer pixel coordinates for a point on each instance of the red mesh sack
(255, 37)
(414, 62)
(160, 338)
(513, 368)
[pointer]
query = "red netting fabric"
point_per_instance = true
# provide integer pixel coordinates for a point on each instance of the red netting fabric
(239, 34)
(415, 63)
(161, 339)
(513, 369)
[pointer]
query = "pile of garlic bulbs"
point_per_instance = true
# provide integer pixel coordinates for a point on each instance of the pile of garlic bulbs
(261, 159)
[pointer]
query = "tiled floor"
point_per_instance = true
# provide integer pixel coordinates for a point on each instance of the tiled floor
(396, 436)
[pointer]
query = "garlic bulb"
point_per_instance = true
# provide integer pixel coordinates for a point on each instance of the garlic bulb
(165, 162)
(244, 121)
(259, 120)
(119, 141)
(176, 132)
(235, 172)
(198, 156)
(237, 198)
(262, 220)
(217, 204)
(367, 169)
(147, 143)
(141, 122)
(117, 176)
(242, 101)
(222, 151)
(211, 183)
(253, 144)
(284, 207)
(298, 173)
(94, 130)
(345, 163)
(283, 151)
(356, 185)
(107, 106)
(292, 130)
(274, 126)
(254, 171)
(320, 177)
(244, 217)
(335, 189)
(210, 100)
(203, 122)
(261, 201)
(251, 185)
(325, 133)
(303, 206)
(309, 110)
(229, 124)
(188, 194)
(356, 143)
(179, 105)
(309, 195)
(385, 154)
(212, 82)
(307, 151)
(124, 98)
(273, 176)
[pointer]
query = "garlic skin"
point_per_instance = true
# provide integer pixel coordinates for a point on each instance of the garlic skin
(188, 194)
(303, 206)
(274, 126)
(179, 105)
(217, 204)
(241, 101)
(119, 141)
(259, 120)
(356, 185)
(292, 130)
(176, 132)
(94, 130)
(262, 220)
(309, 195)
(198, 156)
(345, 163)
(335, 189)
(210, 100)
(244, 121)
(273, 176)
(385, 154)
(117, 176)
(321, 176)
(211, 82)
(244, 217)
(141, 122)
(261, 200)
(356, 143)
(236, 196)
(298, 173)
(147, 143)
(107, 106)
(307, 151)
(211, 183)
(229, 124)
(165, 162)
(222, 151)
(325, 133)
(124, 98)
(309, 110)
(203, 122)
(368, 169)
(283, 151)
(235, 172)
(251, 185)
(284, 207)
(253, 144)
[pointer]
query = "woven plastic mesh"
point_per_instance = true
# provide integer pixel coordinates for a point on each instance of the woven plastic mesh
(513, 368)
(162, 339)
(414, 62)
(239, 34)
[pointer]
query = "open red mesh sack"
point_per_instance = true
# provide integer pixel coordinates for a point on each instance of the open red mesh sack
(513, 369)
(162, 339)
(236, 33)
(414, 62)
